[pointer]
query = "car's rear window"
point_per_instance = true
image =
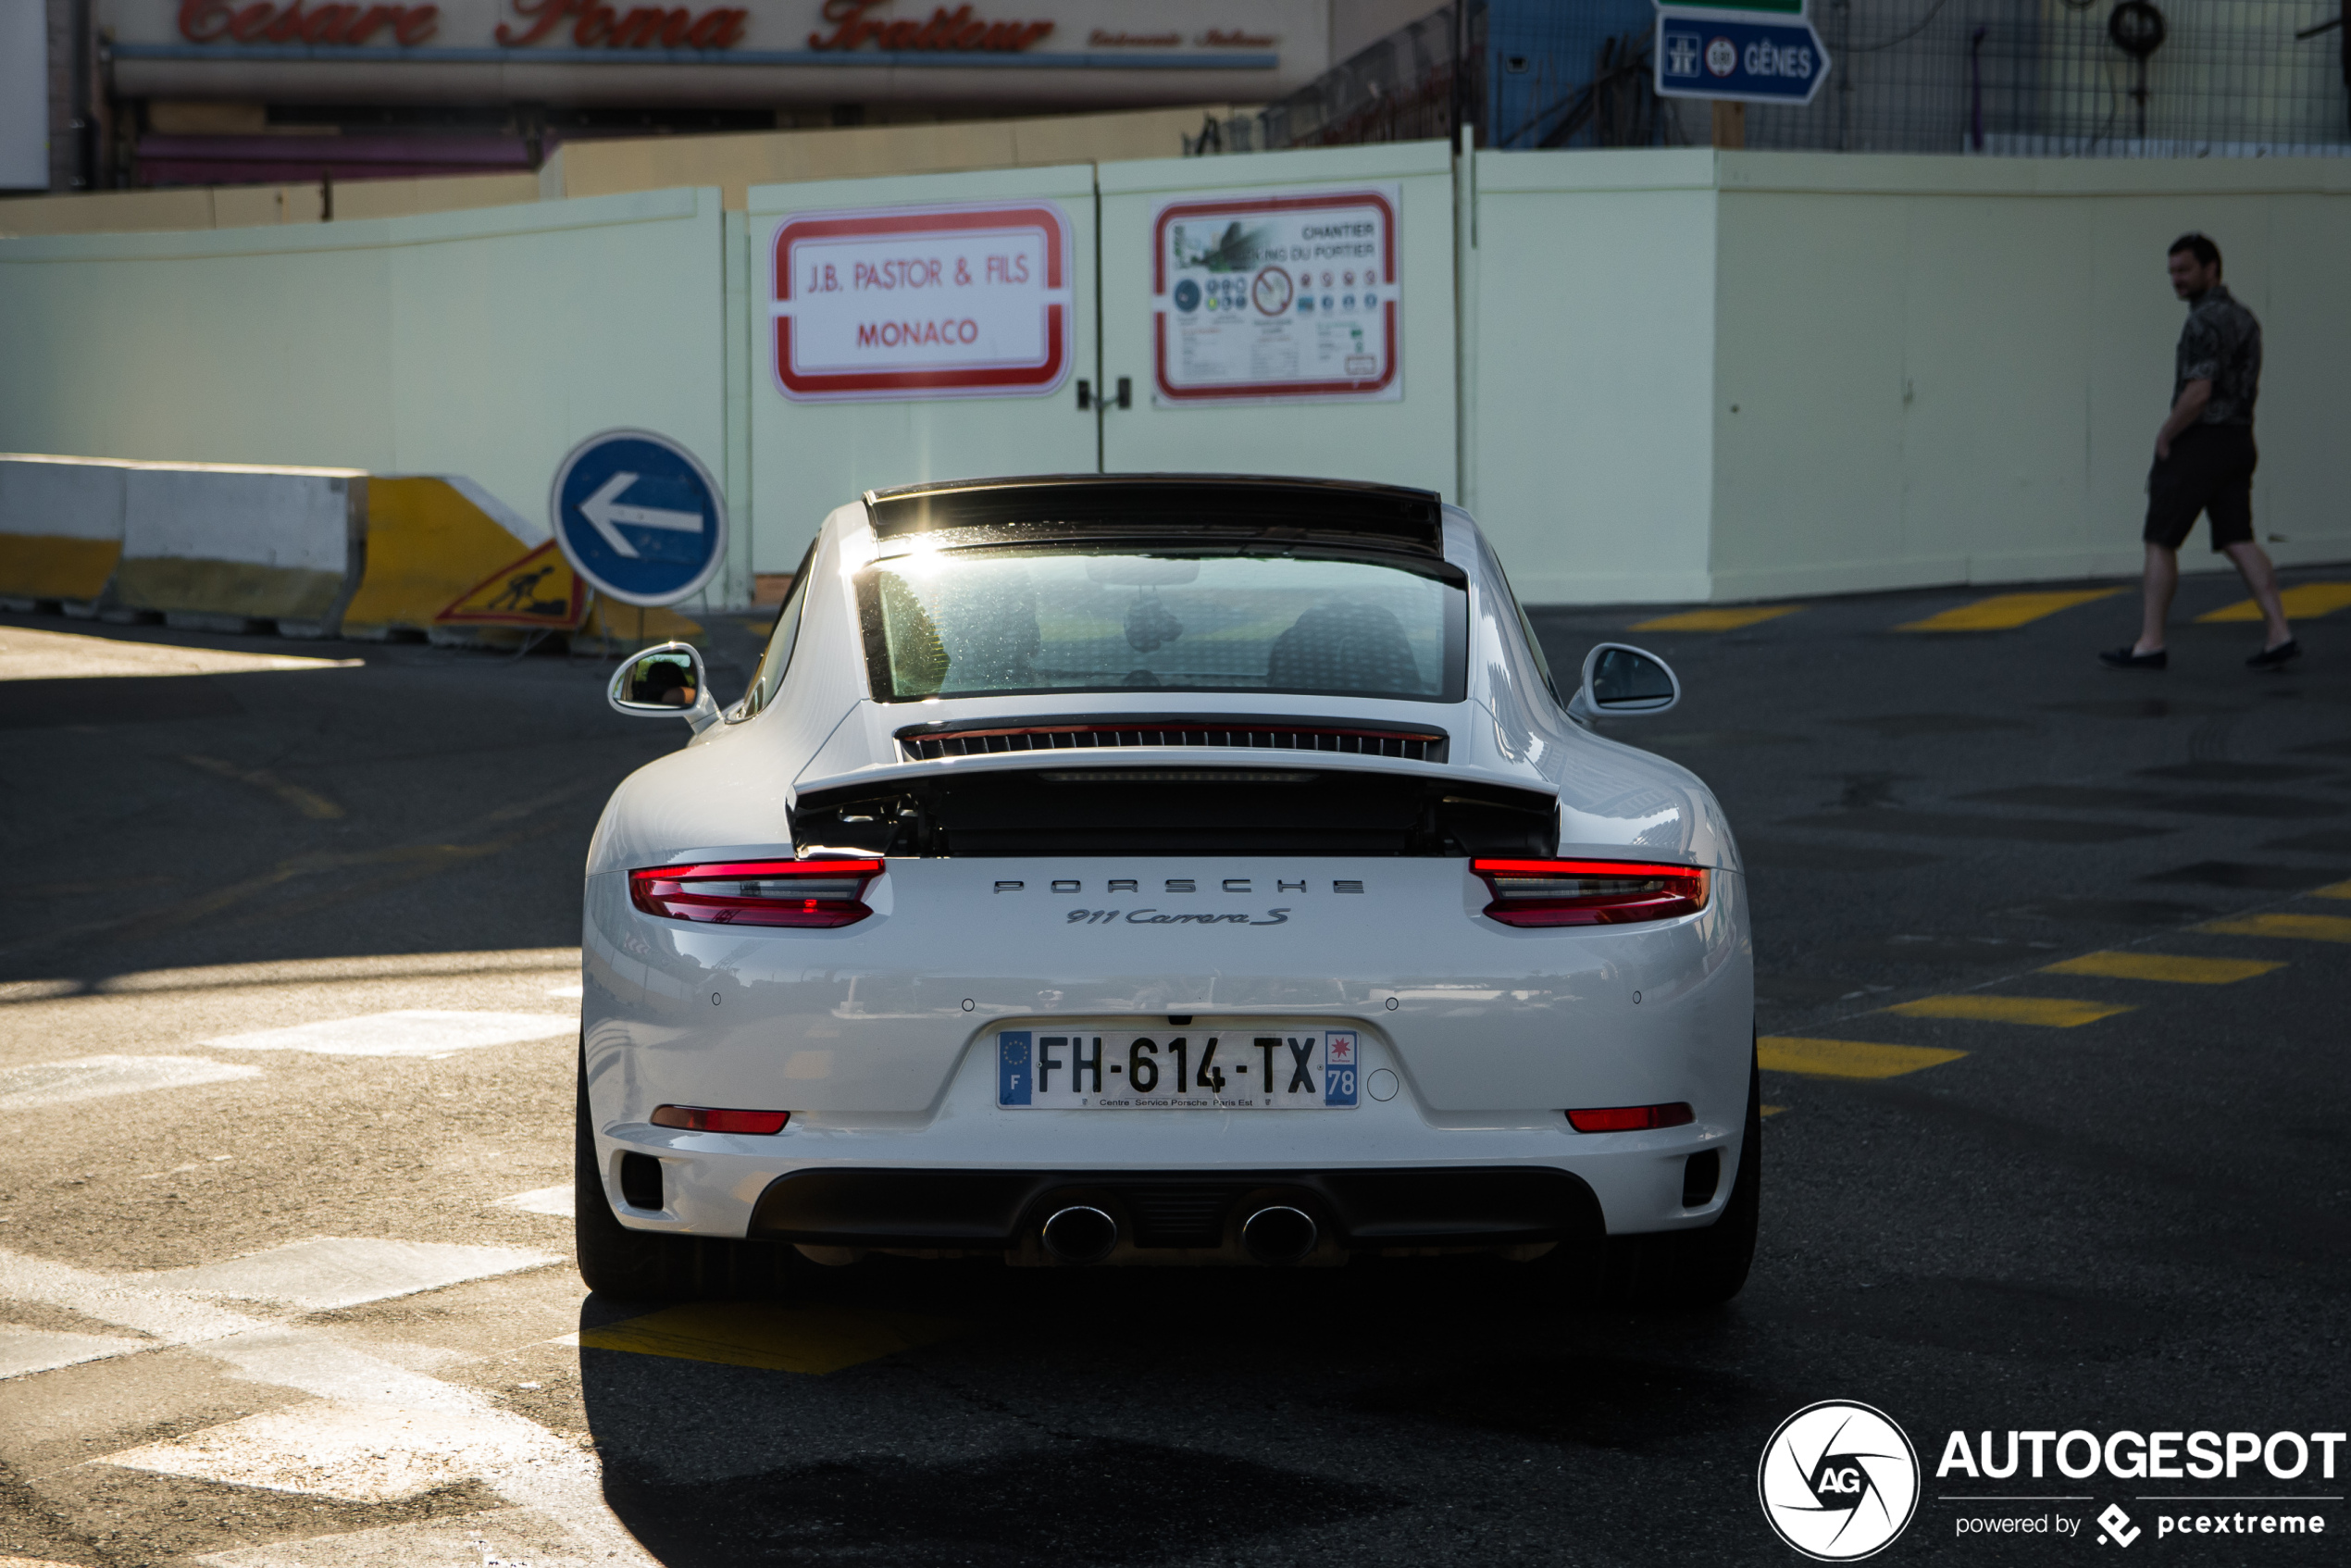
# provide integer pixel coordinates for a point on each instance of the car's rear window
(999, 621)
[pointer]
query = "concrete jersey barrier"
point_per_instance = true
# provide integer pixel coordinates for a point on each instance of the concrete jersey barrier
(208, 546)
(305, 552)
(60, 528)
(216, 548)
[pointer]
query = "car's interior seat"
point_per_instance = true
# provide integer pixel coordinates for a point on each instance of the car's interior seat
(1344, 648)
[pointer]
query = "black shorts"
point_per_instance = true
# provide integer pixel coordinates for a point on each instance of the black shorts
(2210, 470)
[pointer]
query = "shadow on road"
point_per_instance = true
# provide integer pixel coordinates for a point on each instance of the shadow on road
(1133, 1415)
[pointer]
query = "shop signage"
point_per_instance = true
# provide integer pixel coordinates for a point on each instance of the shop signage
(775, 34)
(958, 29)
(209, 21)
(1277, 298)
(595, 24)
(897, 303)
(640, 27)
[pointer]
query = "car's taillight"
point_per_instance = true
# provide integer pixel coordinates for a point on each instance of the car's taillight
(1632, 1119)
(1590, 892)
(757, 892)
(703, 1118)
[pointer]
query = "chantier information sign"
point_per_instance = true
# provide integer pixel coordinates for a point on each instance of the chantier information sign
(1272, 298)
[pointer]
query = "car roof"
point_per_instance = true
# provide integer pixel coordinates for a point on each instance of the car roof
(1163, 506)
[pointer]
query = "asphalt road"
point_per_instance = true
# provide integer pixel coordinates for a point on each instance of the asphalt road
(285, 1302)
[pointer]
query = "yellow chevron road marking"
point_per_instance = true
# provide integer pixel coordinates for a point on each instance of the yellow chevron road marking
(2306, 928)
(1846, 1058)
(2333, 890)
(2003, 612)
(2305, 601)
(2048, 1011)
(1729, 619)
(2164, 966)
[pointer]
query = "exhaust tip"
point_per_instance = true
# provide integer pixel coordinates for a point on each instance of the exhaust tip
(1080, 1234)
(1279, 1234)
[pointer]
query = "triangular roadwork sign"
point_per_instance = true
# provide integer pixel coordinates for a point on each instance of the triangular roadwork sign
(539, 590)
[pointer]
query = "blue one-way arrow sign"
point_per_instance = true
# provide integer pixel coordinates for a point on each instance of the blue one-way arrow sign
(1704, 56)
(639, 517)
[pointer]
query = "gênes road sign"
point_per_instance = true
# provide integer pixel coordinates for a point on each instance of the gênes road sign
(639, 517)
(1704, 56)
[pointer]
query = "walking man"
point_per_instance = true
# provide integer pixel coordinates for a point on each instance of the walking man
(2204, 459)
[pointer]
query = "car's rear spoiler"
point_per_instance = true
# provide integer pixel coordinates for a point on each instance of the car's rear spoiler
(1226, 506)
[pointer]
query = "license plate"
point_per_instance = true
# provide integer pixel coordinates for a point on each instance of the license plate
(1296, 1070)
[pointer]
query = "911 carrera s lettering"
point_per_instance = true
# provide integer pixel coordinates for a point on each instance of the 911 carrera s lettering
(1153, 917)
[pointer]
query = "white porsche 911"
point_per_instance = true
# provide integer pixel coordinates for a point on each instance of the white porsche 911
(1144, 869)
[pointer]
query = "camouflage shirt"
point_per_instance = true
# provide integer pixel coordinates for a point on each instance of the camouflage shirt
(2220, 343)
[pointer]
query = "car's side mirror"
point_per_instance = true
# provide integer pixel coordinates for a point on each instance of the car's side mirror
(1620, 681)
(665, 682)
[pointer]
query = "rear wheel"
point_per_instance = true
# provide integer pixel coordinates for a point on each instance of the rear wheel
(1677, 1270)
(1703, 1268)
(645, 1266)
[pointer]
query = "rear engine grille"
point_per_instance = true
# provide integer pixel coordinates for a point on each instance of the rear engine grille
(1179, 1216)
(1408, 744)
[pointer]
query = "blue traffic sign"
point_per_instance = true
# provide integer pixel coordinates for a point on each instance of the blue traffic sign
(1758, 62)
(638, 517)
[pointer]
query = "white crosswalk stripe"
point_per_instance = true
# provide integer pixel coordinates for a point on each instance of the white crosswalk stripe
(41, 1083)
(328, 1272)
(518, 1459)
(354, 1452)
(511, 1537)
(555, 1200)
(24, 1351)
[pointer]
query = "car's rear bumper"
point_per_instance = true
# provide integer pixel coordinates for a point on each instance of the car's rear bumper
(1180, 1210)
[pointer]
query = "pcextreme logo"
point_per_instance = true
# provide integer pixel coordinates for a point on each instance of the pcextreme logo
(1838, 1481)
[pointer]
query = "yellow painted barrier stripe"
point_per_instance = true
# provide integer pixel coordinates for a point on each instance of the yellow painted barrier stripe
(2172, 967)
(2047, 1012)
(427, 543)
(2333, 890)
(2305, 601)
(1729, 619)
(811, 1339)
(2004, 611)
(2305, 928)
(1846, 1058)
(53, 566)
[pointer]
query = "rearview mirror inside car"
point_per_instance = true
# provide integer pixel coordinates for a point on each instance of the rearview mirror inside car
(665, 682)
(1620, 681)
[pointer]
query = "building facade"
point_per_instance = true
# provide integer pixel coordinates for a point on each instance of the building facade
(148, 93)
